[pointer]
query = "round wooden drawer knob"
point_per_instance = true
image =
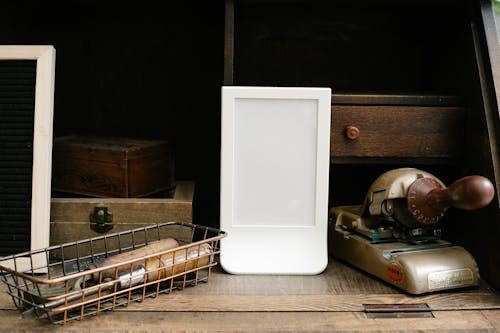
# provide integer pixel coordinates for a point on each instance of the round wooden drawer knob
(352, 132)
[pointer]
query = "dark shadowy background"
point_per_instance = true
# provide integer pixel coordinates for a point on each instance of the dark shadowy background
(148, 70)
(154, 70)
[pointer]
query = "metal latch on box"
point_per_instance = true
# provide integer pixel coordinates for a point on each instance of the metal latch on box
(101, 220)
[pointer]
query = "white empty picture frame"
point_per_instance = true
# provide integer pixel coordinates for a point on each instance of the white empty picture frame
(275, 158)
(42, 144)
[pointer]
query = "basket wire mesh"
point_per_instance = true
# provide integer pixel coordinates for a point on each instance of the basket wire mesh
(86, 277)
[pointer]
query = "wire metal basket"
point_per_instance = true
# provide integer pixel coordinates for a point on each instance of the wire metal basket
(75, 280)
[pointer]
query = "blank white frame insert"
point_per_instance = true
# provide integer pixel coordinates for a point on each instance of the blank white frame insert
(45, 56)
(275, 159)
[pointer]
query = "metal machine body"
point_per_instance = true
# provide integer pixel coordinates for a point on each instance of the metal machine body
(395, 235)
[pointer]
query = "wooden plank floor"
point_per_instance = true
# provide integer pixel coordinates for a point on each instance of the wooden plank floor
(328, 302)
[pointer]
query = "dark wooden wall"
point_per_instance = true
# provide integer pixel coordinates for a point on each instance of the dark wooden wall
(372, 46)
(146, 70)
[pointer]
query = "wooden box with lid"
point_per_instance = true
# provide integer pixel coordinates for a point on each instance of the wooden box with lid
(112, 166)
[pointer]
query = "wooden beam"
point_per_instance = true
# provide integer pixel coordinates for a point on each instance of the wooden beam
(229, 44)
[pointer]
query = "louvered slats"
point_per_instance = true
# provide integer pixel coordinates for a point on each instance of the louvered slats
(17, 98)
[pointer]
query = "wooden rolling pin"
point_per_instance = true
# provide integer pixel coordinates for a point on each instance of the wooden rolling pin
(157, 267)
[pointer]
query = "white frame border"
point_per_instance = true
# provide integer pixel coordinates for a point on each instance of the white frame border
(263, 237)
(42, 140)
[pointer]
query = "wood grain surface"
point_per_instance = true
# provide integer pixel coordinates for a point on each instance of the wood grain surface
(392, 132)
(329, 302)
(127, 322)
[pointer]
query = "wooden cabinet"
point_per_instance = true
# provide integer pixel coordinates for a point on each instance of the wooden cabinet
(415, 78)
(404, 93)
(391, 129)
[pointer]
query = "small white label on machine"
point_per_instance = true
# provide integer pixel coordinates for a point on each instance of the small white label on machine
(451, 278)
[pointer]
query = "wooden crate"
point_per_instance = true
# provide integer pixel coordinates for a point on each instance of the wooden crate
(70, 217)
(102, 166)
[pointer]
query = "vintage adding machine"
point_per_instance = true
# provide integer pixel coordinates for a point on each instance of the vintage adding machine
(395, 234)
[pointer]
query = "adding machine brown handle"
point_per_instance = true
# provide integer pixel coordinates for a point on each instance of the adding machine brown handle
(428, 200)
(468, 193)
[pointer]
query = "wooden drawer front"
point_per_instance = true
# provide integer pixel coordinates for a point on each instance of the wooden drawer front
(392, 132)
